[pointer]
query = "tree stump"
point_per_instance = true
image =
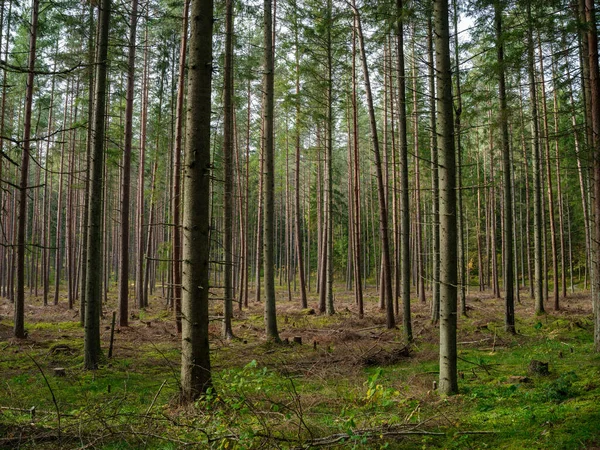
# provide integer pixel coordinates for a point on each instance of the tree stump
(538, 368)
(60, 371)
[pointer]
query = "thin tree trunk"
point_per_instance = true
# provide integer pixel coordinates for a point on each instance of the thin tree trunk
(177, 190)
(269, 173)
(549, 181)
(356, 186)
(404, 205)
(435, 297)
(527, 197)
(140, 272)
(297, 212)
(537, 196)
(559, 193)
(19, 322)
(507, 229)
(228, 170)
(383, 210)
(592, 37)
(88, 151)
(463, 279)
(94, 237)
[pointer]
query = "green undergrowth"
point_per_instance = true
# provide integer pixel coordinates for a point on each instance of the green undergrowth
(297, 396)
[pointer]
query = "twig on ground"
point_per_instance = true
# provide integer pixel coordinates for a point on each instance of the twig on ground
(51, 391)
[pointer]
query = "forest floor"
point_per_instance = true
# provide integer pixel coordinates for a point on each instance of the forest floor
(350, 384)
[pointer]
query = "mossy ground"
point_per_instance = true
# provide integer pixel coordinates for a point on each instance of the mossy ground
(351, 384)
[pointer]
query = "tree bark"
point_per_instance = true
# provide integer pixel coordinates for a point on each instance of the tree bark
(404, 202)
(383, 209)
(435, 194)
(537, 196)
(448, 239)
(269, 174)
(176, 231)
(356, 186)
(93, 291)
(507, 229)
(195, 357)
(228, 170)
(19, 323)
(592, 38)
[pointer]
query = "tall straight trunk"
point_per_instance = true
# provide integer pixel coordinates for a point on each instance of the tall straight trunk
(70, 226)
(527, 197)
(126, 181)
(228, 170)
(150, 235)
(260, 221)
(463, 279)
(383, 209)
(19, 324)
(245, 248)
(176, 232)
(297, 211)
(269, 173)
(592, 38)
(2, 264)
(583, 185)
(88, 151)
(537, 188)
(356, 186)
(404, 205)
(435, 194)
(4, 270)
(46, 207)
(448, 240)
(329, 165)
(492, 214)
(420, 269)
(559, 193)
(507, 229)
(394, 185)
(195, 356)
(480, 264)
(140, 273)
(549, 182)
(93, 292)
(60, 207)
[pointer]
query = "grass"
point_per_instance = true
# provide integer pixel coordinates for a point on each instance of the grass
(347, 386)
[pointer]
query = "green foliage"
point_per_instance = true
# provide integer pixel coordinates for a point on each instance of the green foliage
(562, 388)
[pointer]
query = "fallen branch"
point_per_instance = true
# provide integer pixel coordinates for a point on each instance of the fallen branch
(51, 392)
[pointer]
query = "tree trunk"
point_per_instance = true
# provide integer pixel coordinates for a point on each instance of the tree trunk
(228, 170)
(549, 180)
(19, 324)
(93, 293)
(88, 156)
(140, 272)
(195, 357)
(176, 231)
(269, 174)
(537, 195)
(448, 239)
(297, 212)
(592, 38)
(463, 278)
(356, 186)
(404, 205)
(507, 229)
(435, 194)
(383, 210)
